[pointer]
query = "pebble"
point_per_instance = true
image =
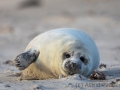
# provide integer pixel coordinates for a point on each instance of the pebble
(7, 85)
(60, 76)
(38, 87)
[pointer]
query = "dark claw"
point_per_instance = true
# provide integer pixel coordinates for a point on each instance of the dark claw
(17, 64)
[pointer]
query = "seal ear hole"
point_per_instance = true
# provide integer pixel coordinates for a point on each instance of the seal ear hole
(84, 60)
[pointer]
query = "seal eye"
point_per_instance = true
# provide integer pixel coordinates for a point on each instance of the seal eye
(67, 55)
(82, 58)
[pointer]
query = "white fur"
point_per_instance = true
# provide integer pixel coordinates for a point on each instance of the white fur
(53, 43)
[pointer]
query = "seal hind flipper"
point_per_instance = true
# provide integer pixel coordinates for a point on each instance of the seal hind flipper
(23, 60)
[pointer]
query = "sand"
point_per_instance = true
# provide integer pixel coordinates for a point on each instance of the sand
(20, 23)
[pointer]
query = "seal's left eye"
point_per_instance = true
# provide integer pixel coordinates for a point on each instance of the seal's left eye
(67, 55)
(82, 58)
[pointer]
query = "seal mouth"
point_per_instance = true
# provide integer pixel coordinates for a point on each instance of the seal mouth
(72, 68)
(72, 73)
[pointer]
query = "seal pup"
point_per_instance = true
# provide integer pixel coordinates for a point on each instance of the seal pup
(63, 51)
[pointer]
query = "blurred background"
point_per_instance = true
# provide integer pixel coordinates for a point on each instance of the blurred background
(22, 20)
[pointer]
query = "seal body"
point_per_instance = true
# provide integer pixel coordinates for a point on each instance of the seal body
(63, 51)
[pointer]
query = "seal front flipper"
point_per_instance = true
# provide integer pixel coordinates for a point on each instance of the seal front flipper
(23, 60)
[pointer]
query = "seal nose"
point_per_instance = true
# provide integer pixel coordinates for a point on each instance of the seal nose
(74, 65)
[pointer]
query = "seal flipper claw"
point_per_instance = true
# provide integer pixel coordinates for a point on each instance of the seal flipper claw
(23, 60)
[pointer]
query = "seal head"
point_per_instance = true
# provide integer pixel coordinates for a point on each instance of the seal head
(75, 58)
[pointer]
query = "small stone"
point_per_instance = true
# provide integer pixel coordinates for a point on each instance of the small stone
(7, 85)
(102, 66)
(36, 87)
(82, 77)
(60, 76)
(70, 85)
(97, 76)
(112, 84)
(117, 80)
(6, 29)
(19, 78)
(17, 74)
(9, 62)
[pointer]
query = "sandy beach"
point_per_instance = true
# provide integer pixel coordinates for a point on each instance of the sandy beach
(21, 21)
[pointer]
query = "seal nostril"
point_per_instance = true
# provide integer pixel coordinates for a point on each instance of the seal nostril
(73, 65)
